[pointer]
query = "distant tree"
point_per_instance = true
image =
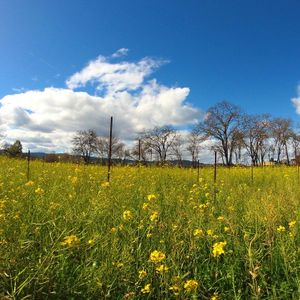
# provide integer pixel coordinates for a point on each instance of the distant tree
(160, 140)
(141, 150)
(281, 132)
(256, 132)
(194, 140)
(222, 123)
(13, 150)
(117, 149)
(85, 144)
(177, 148)
(295, 139)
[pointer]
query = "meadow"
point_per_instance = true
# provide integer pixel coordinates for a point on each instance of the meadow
(152, 233)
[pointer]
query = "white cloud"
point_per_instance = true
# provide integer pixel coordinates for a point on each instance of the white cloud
(296, 101)
(114, 77)
(120, 52)
(47, 119)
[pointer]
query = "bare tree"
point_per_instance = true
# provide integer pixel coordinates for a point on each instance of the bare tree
(222, 123)
(282, 132)
(117, 148)
(85, 144)
(160, 140)
(295, 139)
(141, 149)
(255, 130)
(194, 140)
(177, 148)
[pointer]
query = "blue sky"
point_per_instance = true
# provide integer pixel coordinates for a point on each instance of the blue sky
(246, 52)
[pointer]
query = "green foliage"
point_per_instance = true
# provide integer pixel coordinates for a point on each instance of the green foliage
(14, 150)
(153, 233)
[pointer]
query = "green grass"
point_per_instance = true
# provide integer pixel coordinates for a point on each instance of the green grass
(64, 236)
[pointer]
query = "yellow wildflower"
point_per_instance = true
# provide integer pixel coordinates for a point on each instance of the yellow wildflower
(145, 206)
(118, 264)
(210, 232)
(191, 285)
(74, 180)
(127, 215)
(157, 256)
(39, 191)
(91, 242)
(29, 183)
(281, 228)
(218, 248)
(292, 224)
(142, 274)
(226, 229)
(161, 269)
(70, 240)
(146, 289)
(154, 216)
(114, 230)
(201, 206)
(220, 218)
(215, 296)
(198, 232)
(175, 289)
(105, 184)
(151, 197)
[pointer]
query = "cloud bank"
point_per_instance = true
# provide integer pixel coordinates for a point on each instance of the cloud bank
(46, 120)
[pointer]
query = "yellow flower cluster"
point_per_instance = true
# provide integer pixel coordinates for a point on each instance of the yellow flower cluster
(29, 183)
(146, 289)
(157, 256)
(292, 224)
(281, 228)
(142, 274)
(161, 269)
(127, 215)
(218, 248)
(70, 240)
(105, 184)
(154, 216)
(191, 285)
(151, 197)
(39, 191)
(198, 232)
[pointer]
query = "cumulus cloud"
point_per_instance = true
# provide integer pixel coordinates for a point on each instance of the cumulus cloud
(113, 77)
(296, 101)
(47, 119)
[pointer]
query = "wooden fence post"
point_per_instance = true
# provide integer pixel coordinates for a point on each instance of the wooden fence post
(28, 165)
(110, 149)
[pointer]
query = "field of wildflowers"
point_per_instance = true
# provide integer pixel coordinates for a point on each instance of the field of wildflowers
(152, 233)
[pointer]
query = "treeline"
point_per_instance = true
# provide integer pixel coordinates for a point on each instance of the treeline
(237, 138)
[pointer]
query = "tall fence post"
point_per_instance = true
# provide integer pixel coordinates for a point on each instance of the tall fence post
(110, 149)
(28, 165)
(139, 151)
(215, 168)
(198, 171)
(215, 176)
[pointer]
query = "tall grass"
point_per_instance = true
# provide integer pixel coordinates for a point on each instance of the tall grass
(153, 233)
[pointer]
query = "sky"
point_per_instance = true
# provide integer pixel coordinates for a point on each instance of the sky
(70, 65)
